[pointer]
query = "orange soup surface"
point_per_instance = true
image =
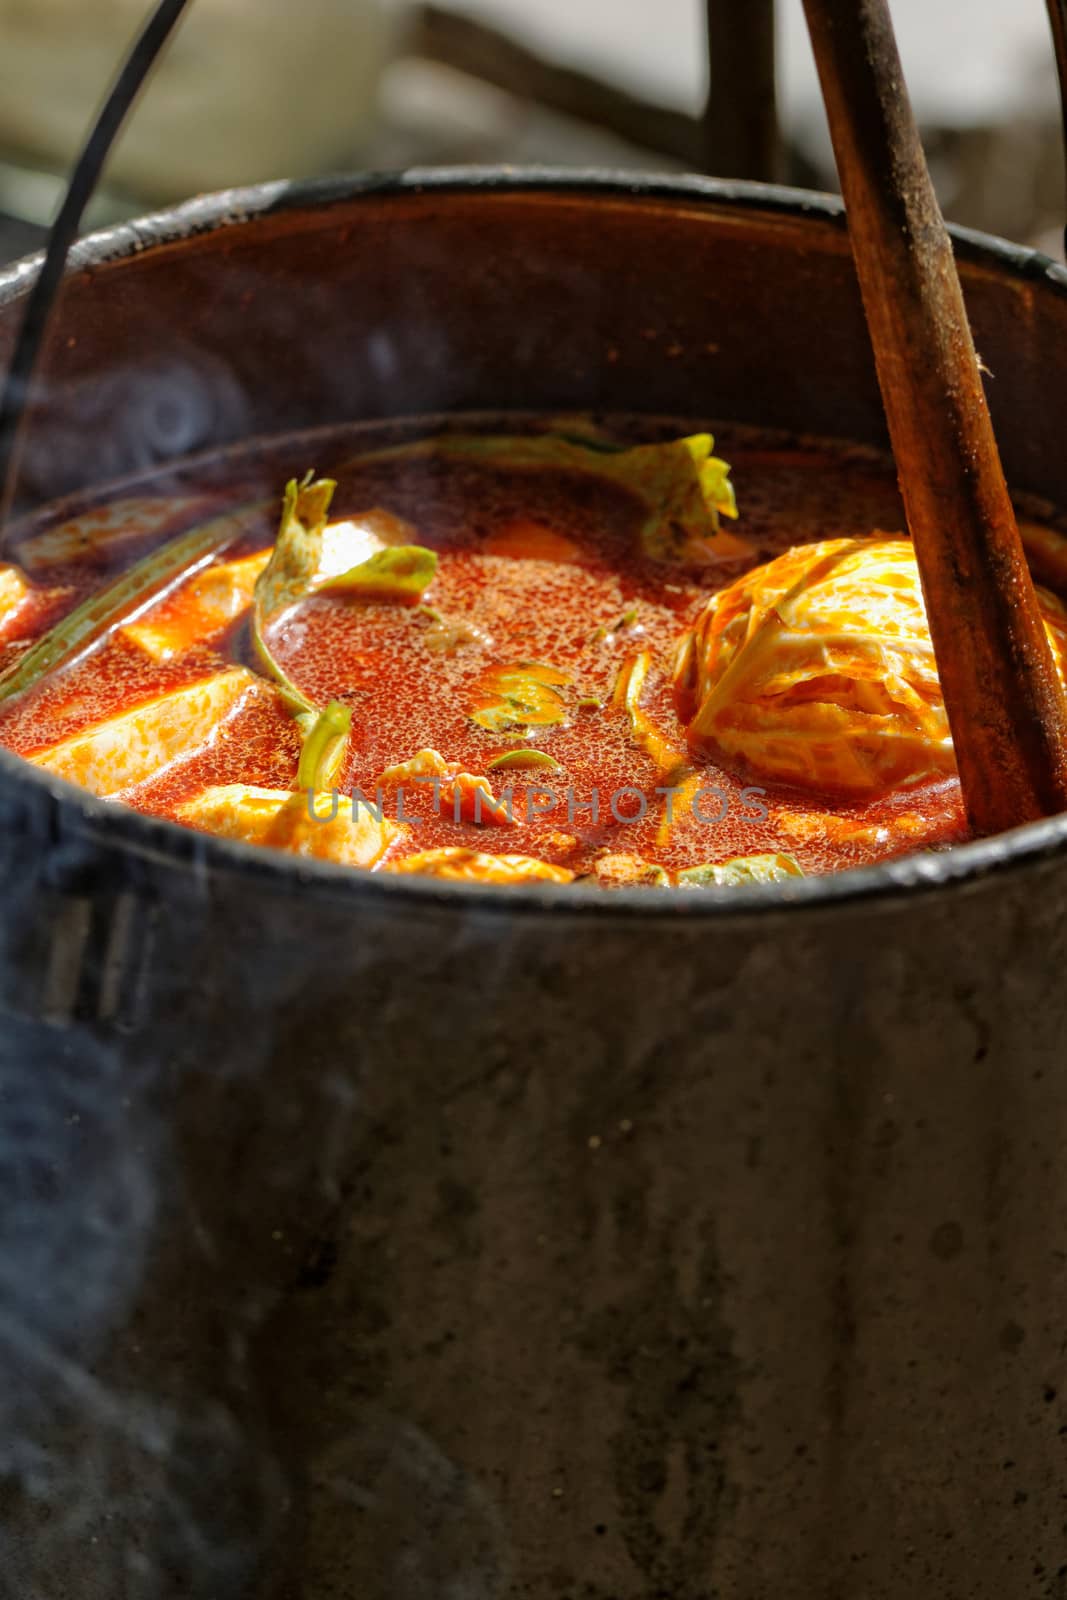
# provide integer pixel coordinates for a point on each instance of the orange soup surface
(511, 666)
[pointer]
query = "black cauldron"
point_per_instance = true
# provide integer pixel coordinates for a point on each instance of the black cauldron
(398, 1240)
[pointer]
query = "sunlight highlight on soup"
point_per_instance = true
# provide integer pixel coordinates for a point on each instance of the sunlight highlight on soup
(555, 654)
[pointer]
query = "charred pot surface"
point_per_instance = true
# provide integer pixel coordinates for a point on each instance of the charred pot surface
(542, 1232)
(530, 1246)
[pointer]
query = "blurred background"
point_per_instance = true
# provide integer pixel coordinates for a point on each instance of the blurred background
(254, 89)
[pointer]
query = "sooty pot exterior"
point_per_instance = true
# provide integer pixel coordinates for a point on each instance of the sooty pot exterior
(392, 1240)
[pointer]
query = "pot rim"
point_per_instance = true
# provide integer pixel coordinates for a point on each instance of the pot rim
(156, 840)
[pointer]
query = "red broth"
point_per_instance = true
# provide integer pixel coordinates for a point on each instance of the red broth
(545, 564)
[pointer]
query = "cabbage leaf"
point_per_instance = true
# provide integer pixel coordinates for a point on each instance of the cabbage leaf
(771, 868)
(124, 599)
(403, 572)
(685, 489)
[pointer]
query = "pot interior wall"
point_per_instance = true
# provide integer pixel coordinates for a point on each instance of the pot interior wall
(394, 302)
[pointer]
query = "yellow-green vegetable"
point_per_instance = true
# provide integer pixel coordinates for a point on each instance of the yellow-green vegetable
(324, 747)
(527, 694)
(397, 572)
(739, 870)
(402, 572)
(623, 871)
(119, 601)
(684, 487)
(629, 686)
(287, 578)
(608, 630)
(524, 758)
(297, 553)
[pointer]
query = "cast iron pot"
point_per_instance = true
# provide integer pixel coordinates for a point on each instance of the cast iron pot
(378, 1238)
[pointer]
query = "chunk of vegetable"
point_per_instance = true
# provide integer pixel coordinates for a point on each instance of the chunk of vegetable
(304, 550)
(297, 554)
(623, 871)
(685, 786)
(107, 529)
(629, 686)
(117, 755)
(354, 557)
(323, 751)
(817, 669)
(738, 870)
(685, 489)
(905, 829)
(346, 543)
(14, 592)
(402, 573)
(287, 578)
(527, 694)
(449, 634)
(467, 796)
(423, 764)
(474, 866)
(124, 598)
(200, 610)
(630, 683)
(333, 829)
(523, 758)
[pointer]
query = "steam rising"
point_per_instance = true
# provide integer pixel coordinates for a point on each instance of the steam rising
(163, 1181)
(147, 409)
(120, 1473)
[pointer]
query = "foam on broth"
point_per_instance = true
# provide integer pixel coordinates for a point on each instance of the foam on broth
(584, 603)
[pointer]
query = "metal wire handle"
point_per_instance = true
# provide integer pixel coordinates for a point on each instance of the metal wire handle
(85, 174)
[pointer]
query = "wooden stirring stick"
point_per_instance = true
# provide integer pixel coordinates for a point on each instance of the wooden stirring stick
(1004, 700)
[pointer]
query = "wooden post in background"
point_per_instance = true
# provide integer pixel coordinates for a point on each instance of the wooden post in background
(1057, 16)
(741, 138)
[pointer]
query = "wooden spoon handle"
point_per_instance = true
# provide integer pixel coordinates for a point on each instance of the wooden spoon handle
(1003, 697)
